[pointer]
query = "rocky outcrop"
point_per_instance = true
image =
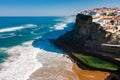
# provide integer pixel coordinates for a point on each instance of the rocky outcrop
(113, 77)
(87, 36)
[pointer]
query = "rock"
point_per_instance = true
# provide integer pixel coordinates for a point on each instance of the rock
(88, 36)
(113, 77)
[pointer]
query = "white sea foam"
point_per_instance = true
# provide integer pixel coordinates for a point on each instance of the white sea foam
(26, 59)
(21, 63)
(17, 28)
(3, 48)
(62, 25)
(32, 32)
(7, 35)
(54, 66)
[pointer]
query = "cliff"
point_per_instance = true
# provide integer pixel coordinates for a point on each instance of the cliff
(87, 36)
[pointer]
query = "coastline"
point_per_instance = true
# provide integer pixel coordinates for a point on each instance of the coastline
(28, 62)
(55, 67)
(88, 74)
(21, 63)
(74, 41)
(26, 58)
(63, 72)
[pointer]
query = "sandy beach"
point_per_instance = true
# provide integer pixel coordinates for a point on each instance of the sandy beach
(28, 63)
(55, 67)
(66, 70)
(89, 75)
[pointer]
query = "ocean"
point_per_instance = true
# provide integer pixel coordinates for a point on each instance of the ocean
(20, 37)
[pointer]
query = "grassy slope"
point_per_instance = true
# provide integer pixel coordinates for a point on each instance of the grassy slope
(96, 62)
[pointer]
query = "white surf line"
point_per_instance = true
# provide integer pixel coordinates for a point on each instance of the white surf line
(60, 26)
(17, 28)
(21, 64)
(54, 67)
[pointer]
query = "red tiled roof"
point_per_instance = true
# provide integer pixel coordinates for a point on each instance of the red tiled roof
(107, 19)
(118, 18)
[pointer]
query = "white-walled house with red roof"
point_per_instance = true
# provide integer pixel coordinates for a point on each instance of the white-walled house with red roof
(106, 20)
(118, 12)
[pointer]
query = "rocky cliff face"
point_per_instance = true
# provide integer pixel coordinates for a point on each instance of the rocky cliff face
(86, 36)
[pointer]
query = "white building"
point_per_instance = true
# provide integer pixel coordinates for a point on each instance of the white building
(106, 20)
(118, 13)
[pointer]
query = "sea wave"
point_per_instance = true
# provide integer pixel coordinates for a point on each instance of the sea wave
(30, 56)
(26, 59)
(3, 49)
(7, 35)
(63, 24)
(17, 28)
(60, 26)
(21, 63)
(52, 57)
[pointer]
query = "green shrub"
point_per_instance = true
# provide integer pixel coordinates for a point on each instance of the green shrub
(96, 62)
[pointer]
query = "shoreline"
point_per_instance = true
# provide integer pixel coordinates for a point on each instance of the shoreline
(88, 74)
(51, 64)
(21, 63)
(25, 59)
(73, 73)
(79, 69)
(57, 68)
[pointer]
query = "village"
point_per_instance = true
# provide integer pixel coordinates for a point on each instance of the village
(109, 19)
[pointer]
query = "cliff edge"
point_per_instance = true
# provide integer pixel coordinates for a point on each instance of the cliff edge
(89, 37)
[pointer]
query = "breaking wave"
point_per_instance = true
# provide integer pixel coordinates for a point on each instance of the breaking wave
(62, 25)
(27, 58)
(17, 28)
(21, 63)
(7, 35)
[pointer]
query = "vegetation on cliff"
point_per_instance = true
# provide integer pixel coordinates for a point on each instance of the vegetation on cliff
(96, 62)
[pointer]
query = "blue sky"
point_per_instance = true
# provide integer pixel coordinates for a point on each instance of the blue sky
(50, 7)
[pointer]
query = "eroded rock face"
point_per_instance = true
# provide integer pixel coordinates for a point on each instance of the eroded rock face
(87, 36)
(113, 77)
